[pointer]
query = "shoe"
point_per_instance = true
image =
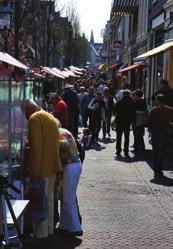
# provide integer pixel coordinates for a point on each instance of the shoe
(69, 234)
(126, 154)
(36, 241)
(62, 231)
(118, 153)
(75, 234)
(158, 173)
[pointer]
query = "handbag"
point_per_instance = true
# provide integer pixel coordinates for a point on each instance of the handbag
(169, 129)
(38, 205)
(141, 118)
(113, 122)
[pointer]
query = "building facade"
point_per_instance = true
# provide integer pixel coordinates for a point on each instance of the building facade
(145, 31)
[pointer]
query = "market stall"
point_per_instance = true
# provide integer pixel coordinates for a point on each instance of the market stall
(13, 127)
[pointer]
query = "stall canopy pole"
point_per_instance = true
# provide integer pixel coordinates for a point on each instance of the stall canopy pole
(9, 127)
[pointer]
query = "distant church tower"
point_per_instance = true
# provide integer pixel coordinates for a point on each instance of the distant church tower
(92, 37)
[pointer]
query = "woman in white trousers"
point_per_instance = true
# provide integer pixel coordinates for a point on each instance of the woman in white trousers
(69, 215)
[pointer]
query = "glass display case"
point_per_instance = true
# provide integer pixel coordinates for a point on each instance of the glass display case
(13, 125)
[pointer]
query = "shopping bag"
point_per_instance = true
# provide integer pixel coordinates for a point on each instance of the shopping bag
(38, 205)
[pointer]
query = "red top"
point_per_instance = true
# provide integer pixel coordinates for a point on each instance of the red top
(61, 112)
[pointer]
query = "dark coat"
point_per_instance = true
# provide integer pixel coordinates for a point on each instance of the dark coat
(124, 111)
(168, 92)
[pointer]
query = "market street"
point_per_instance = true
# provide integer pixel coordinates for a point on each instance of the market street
(121, 205)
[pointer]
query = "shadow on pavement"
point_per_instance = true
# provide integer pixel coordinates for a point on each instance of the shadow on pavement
(147, 157)
(143, 156)
(163, 180)
(57, 242)
(97, 147)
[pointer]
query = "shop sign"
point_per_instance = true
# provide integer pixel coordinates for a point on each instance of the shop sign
(116, 45)
(5, 21)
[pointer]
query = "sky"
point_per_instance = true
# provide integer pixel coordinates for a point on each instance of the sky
(93, 15)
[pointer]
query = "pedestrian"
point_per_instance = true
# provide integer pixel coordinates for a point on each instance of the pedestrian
(71, 99)
(109, 104)
(140, 120)
(119, 93)
(86, 138)
(166, 90)
(101, 85)
(158, 121)
(97, 112)
(124, 111)
(60, 110)
(69, 223)
(85, 112)
(44, 159)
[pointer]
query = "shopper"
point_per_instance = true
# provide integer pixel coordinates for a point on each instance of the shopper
(140, 120)
(158, 120)
(125, 115)
(60, 110)
(44, 159)
(69, 216)
(109, 104)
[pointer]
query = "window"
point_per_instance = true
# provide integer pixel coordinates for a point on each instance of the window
(154, 1)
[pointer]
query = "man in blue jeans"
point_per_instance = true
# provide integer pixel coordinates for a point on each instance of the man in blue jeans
(158, 120)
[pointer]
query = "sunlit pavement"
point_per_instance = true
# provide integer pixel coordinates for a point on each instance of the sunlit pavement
(122, 206)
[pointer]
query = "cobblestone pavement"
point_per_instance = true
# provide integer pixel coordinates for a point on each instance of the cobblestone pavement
(122, 206)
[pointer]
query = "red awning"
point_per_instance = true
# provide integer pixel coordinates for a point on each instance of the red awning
(4, 57)
(115, 65)
(132, 67)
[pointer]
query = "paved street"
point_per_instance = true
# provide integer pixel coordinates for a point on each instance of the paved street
(122, 206)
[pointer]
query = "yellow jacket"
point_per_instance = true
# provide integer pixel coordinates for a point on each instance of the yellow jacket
(44, 147)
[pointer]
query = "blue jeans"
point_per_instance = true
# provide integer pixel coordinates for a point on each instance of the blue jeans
(159, 143)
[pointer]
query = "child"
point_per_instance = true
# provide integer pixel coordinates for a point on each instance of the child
(86, 138)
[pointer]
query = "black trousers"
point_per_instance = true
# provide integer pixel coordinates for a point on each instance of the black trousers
(139, 138)
(120, 130)
(85, 117)
(159, 144)
(96, 127)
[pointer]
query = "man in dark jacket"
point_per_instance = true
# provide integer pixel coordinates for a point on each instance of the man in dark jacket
(166, 91)
(125, 114)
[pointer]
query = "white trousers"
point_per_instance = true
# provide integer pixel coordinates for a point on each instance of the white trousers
(44, 228)
(69, 218)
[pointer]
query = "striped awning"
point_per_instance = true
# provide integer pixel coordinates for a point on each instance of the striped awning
(126, 6)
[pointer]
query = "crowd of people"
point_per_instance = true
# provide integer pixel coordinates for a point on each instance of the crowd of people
(57, 151)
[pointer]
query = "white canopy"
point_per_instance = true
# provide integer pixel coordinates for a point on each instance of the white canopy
(4, 57)
(52, 72)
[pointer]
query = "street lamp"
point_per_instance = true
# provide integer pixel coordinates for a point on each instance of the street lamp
(5, 21)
